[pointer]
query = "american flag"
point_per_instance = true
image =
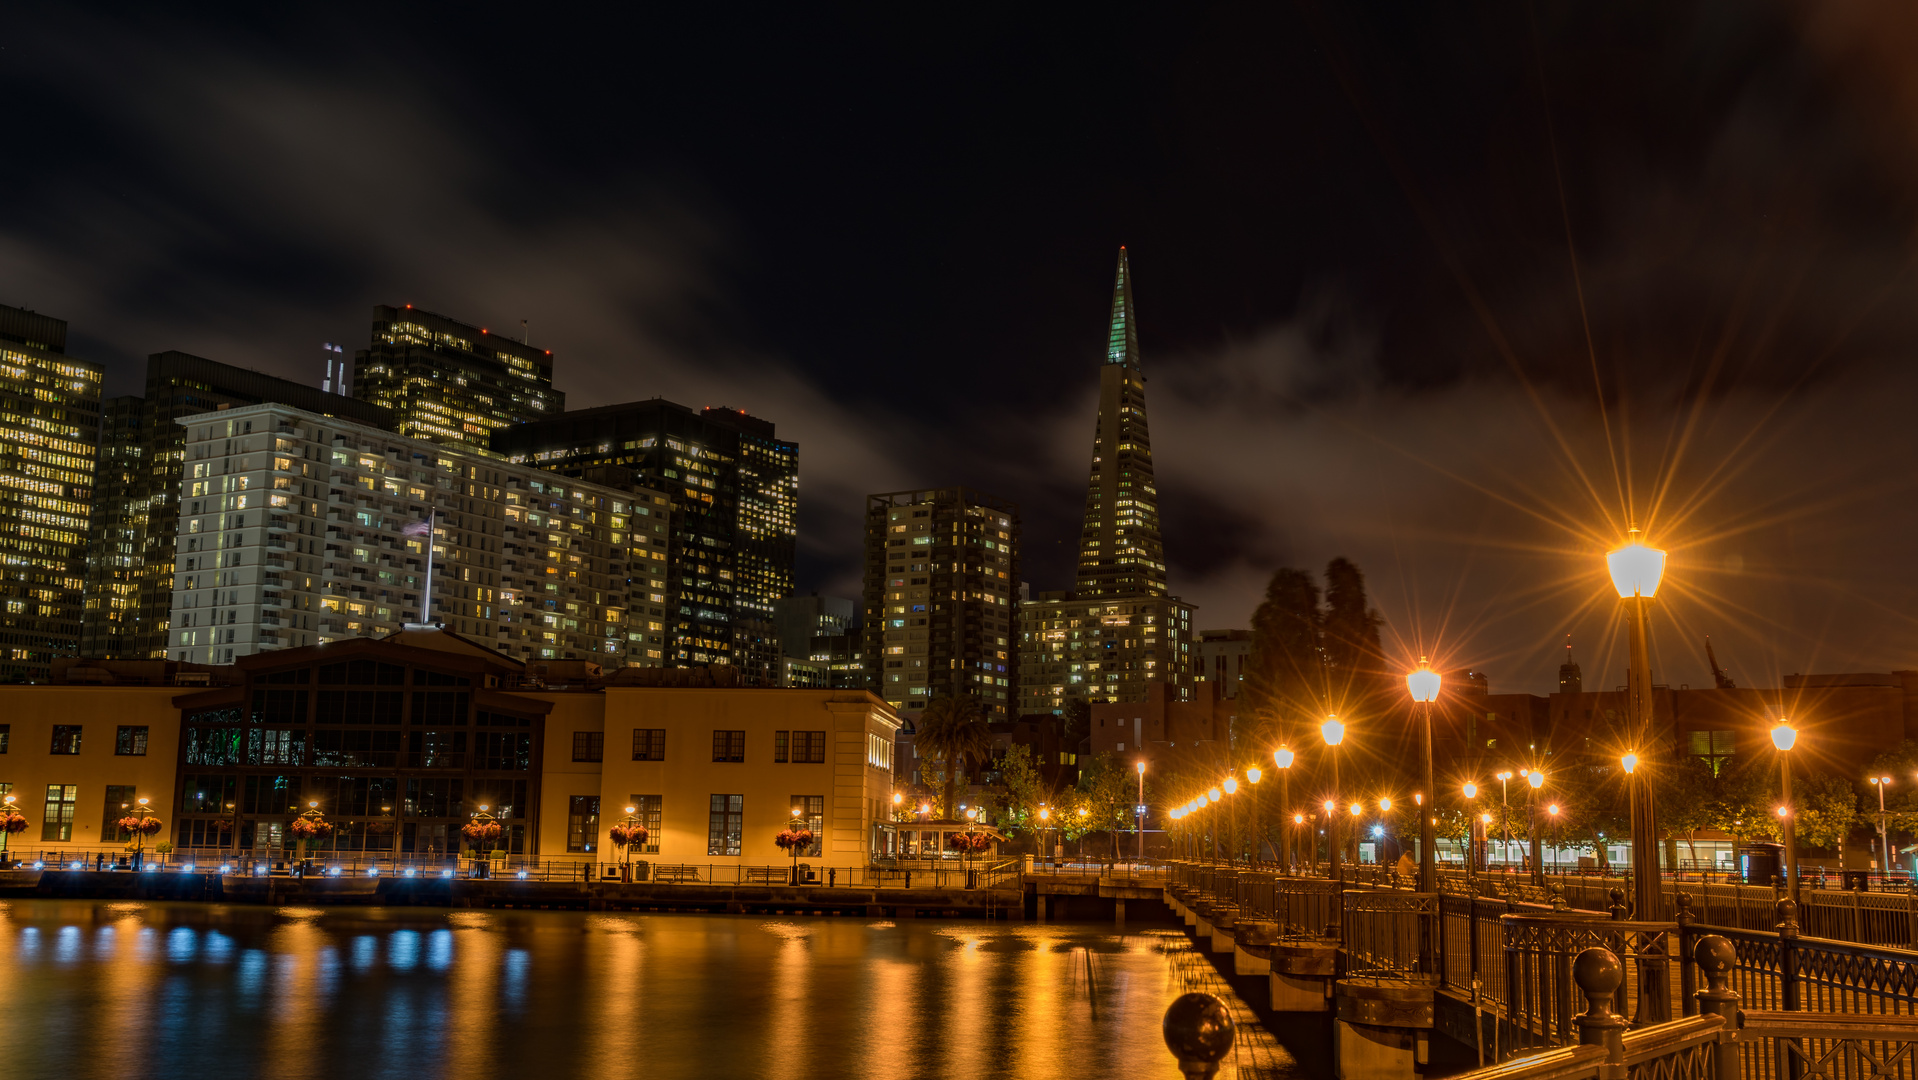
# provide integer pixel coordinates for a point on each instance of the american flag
(418, 528)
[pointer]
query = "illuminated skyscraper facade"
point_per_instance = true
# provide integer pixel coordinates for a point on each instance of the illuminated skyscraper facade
(941, 596)
(1120, 552)
(49, 435)
(295, 533)
(451, 382)
(112, 601)
(734, 488)
(1118, 629)
(146, 512)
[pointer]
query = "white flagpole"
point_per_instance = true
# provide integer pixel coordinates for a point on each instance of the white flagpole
(426, 595)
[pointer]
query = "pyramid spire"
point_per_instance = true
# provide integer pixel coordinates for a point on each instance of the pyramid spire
(1122, 341)
(1120, 551)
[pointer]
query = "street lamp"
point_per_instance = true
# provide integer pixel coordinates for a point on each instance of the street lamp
(1138, 812)
(1252, 776)
(1505, 822)
(1282, 757)
(1333, 732)
(1424, 686)
(1784, 737)
(1471, 838)
(1636, 571)
(1884, 825)
(1537, 780)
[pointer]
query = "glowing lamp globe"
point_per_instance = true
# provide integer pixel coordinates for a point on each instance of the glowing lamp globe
(1471, 790)
(1552, 809)
(1231, 785)
(1282, 757)
(1536, 779)
(1784, 736)
(1331, 808)
(1333, 729)
(1253, 775)
(1213, 795)
(1298, 819)
(1424, 683)
(1385, 805)
(1636, 569)
(1630, 761)
(1357, 809)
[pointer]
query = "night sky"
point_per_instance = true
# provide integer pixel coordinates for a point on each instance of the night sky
(1451, 290)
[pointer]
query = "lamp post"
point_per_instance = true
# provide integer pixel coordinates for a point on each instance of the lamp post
(1424, 685)
(1537, 780)
(1636, 571)
(1252, 776)
(1139, 812)
(1231, 786)
(1504, 822)
(1784, 737)
(1291, 839)
(1884, 826)
(1471, 837)
(1553, 811)
(1333, 732)
(1282, 757)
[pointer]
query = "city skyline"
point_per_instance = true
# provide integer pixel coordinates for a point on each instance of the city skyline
(1338, 370)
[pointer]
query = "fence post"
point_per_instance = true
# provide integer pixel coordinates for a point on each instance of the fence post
(1599, 974)
(1787, 914)
(1715, 957)
(1687, 978)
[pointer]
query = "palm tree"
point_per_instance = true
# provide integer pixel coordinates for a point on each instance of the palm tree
(952, 732)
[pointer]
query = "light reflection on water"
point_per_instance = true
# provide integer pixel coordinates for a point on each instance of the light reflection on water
(216, 991)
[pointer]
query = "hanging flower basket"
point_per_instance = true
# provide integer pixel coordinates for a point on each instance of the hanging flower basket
(623, 836)
(965, 842)
(138, 826)
(223, 824)
(305, 828)
(14, 823)
(379, 828)
(794, 839)
(475, 832)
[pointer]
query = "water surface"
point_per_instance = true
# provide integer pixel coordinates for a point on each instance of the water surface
(122, 990)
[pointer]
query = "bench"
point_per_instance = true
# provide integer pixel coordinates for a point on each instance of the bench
(671, 874)
(767, 875)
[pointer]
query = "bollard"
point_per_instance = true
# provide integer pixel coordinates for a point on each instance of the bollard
(1198, 1030)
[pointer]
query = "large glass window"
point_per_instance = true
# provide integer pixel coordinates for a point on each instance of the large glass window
(56, 823)
(119, 803)
(812, 811)
(729, 746)
(651, 815)
(589, 745)
(66, 739)
(725, 825)
(582, 824)
(130, 741)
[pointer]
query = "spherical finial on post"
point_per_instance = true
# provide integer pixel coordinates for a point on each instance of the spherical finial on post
(1599, 974)
(1198, 1031)
(1555, 892)
(1618, 908)
(1716, 957)
(1786, 912)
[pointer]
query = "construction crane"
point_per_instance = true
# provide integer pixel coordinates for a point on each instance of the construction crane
(1720, 676)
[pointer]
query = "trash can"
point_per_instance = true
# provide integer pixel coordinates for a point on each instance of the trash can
(1763, 862)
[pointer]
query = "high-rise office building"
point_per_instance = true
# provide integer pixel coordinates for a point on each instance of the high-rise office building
(147, 511)
(1120, 552)
(112, 601)
(822, 641)
(451, 382)
(734, 488)
(1118, 629)
(941, 591)
(296, 532)
(49, 436)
